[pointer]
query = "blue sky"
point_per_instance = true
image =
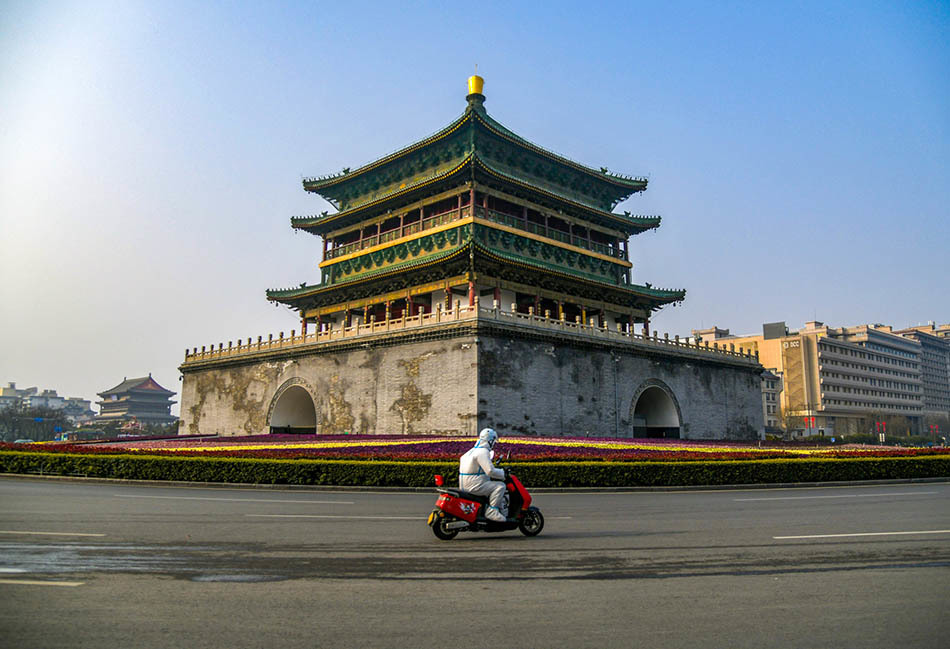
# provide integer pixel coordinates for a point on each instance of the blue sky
(151, 155)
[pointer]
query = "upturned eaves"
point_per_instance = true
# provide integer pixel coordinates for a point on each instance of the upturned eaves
(333, 187)
(322, 223)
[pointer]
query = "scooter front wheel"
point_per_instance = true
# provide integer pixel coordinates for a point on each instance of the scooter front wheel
(532, 522)
(439, 529)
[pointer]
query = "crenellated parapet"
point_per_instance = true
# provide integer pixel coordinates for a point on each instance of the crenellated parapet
(445, 322)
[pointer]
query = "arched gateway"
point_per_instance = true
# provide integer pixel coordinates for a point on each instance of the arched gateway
(655, 411)
(292, 410)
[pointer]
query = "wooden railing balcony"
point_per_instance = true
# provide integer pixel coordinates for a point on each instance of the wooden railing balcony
(495, 216)
(540, 229)
(429, 222)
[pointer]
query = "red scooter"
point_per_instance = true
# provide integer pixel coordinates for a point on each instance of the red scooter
(460, 511)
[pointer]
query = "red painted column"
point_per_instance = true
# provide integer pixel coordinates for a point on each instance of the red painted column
(646, 327)
(471, 293)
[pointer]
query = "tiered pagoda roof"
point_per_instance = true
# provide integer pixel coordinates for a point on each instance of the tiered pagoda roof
(475, 146)
(139, 398)
(478, 153)
(144, 383)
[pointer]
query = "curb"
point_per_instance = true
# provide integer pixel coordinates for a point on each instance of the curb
(566, 490)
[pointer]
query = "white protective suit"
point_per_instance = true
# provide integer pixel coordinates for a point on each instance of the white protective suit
(479, 476)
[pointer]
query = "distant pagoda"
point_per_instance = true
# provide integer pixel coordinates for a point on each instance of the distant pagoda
(475, 211)
(141, 399)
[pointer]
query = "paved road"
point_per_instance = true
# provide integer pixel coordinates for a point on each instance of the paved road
(110, 565)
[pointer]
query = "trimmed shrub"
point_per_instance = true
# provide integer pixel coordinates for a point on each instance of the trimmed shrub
(419, 474)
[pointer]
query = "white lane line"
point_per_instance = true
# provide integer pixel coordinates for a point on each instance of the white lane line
(909, 493)
(243, 500)
(32, 582)
(838, 536)
(370, 518)
(50, 533)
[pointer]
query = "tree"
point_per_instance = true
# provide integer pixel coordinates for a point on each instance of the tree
(792, 418)
(38, 424)
(935, 427)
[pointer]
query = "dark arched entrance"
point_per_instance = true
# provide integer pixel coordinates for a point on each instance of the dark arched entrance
(655, 413)
(293, 412)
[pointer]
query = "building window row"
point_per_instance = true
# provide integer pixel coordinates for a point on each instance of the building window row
(870, 405)
(842, 351)
(870, 368)
(873, 393)
(890, 350)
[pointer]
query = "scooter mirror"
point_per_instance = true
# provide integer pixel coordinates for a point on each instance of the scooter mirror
(439, 480)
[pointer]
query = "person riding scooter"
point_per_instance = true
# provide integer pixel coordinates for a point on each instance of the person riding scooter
(479, 476)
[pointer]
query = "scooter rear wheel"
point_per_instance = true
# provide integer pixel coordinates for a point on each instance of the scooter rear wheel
(532, 522)
(438, 528)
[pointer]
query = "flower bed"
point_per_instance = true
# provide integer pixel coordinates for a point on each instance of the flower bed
(521, 449)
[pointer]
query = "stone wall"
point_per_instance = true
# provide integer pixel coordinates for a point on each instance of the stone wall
(420, 387)
(537, 387)
(455, 380)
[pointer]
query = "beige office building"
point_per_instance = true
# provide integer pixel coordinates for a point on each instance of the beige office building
(838, 380)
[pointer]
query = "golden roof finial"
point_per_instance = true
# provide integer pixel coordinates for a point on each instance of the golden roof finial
(475, 83)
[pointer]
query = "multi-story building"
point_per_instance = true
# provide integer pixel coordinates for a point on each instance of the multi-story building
(76, 409)
(940, 331)
(838, 380)
(934, 366)
(11, 395)
(771, 401)
(45, 399)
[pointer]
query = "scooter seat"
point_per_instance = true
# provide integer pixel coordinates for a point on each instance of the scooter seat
(465, 495)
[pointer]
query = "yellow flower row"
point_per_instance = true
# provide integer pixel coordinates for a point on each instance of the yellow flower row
(612, 445)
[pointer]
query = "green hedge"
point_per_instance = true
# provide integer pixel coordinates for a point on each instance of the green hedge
(419, 474)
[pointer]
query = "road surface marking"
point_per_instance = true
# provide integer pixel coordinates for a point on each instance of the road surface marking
(243, 500)
(838, 536)
(377, 518)
(50, 533)
(31, 582)
(910, 493)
